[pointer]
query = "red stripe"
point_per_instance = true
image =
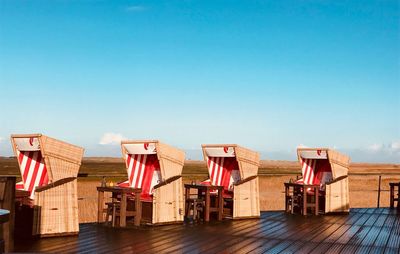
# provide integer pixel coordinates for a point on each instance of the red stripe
(128, 161)
(133, 170)
(151, 166)
(218, 170)
(28, 165)
(213, 170)
(140, 169)
(35, 172)
(44, 179)
(20, 157)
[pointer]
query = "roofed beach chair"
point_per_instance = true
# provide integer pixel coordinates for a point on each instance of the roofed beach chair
(235, 168)
(156, 168)
(329, 169)
(49, 170)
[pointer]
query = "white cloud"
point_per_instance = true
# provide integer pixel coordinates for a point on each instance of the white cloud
(135, 8)
(392, 148)
(111, 138)
(1, 139)
(375, 147)
(395, 146)
(302, 146)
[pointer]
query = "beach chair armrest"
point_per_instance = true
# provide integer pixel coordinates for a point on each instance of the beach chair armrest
(340, 178)
(167, 181)
(245, 180)
(55, 184)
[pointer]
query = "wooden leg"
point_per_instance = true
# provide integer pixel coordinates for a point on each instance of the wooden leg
(286, 199)
(187, 202)
(220, 204)
(207, 208)
(114, 212)
(316, 200)
(138, 207)
(391, 196)
(304, 201)
(122, 212)
(100, 200)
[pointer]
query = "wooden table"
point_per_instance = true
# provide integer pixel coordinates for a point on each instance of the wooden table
(302, 188)
(392, 195)
(123, 192)
(207, 189)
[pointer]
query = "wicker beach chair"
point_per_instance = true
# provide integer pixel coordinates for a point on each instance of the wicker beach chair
(329, 169)
(156, 168)
(235, 168)
(49, 170)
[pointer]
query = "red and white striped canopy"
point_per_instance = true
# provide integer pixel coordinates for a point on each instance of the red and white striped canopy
(143, 167)
(315, 171)
(223, 171)
(33, 171)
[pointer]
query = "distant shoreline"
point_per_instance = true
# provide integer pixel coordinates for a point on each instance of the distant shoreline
(113, 166)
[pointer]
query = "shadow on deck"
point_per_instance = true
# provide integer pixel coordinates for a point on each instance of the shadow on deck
(363, 230)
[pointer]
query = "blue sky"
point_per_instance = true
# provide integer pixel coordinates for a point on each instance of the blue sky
(269, 75)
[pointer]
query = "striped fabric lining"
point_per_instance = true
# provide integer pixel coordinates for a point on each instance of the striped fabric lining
(308, 166)
(223, 171)
(143, 172)
(33, 171)
(315, 171)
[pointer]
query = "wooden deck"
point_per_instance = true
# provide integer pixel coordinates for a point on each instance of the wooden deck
(361, 231)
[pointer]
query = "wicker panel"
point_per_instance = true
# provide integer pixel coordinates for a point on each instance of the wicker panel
(168, 203)
(246, 200)
(337, 196)
(56, 148)
(171, 160)
(56, 210)
(61, 169)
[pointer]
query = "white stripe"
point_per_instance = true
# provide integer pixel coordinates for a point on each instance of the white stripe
(38, 177)
(142, 171)
(221, 170)
(135, 170)
(129, 166)
(313, 163)
(210, 170)
(31, 169)
(218, 162)
(23, 164)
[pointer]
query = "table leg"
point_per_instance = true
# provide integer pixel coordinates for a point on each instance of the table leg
(304, 201)
(220, 204)
(187, 204)
(207, 206)
(286, 199)
(122, 213)
(316, 200)
(100, 200)
(391, 196)
(138, 207)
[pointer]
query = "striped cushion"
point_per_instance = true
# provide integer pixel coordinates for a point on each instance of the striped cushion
(33, 171)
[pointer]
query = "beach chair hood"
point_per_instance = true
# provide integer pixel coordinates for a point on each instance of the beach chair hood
(240, 162)
(44, 160)
(329, 163)
(166, 161)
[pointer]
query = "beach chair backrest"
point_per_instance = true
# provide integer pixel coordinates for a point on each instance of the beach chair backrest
(43, 160)
(31, 164)
(142, 165)
(222, 165)
(321, 165)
